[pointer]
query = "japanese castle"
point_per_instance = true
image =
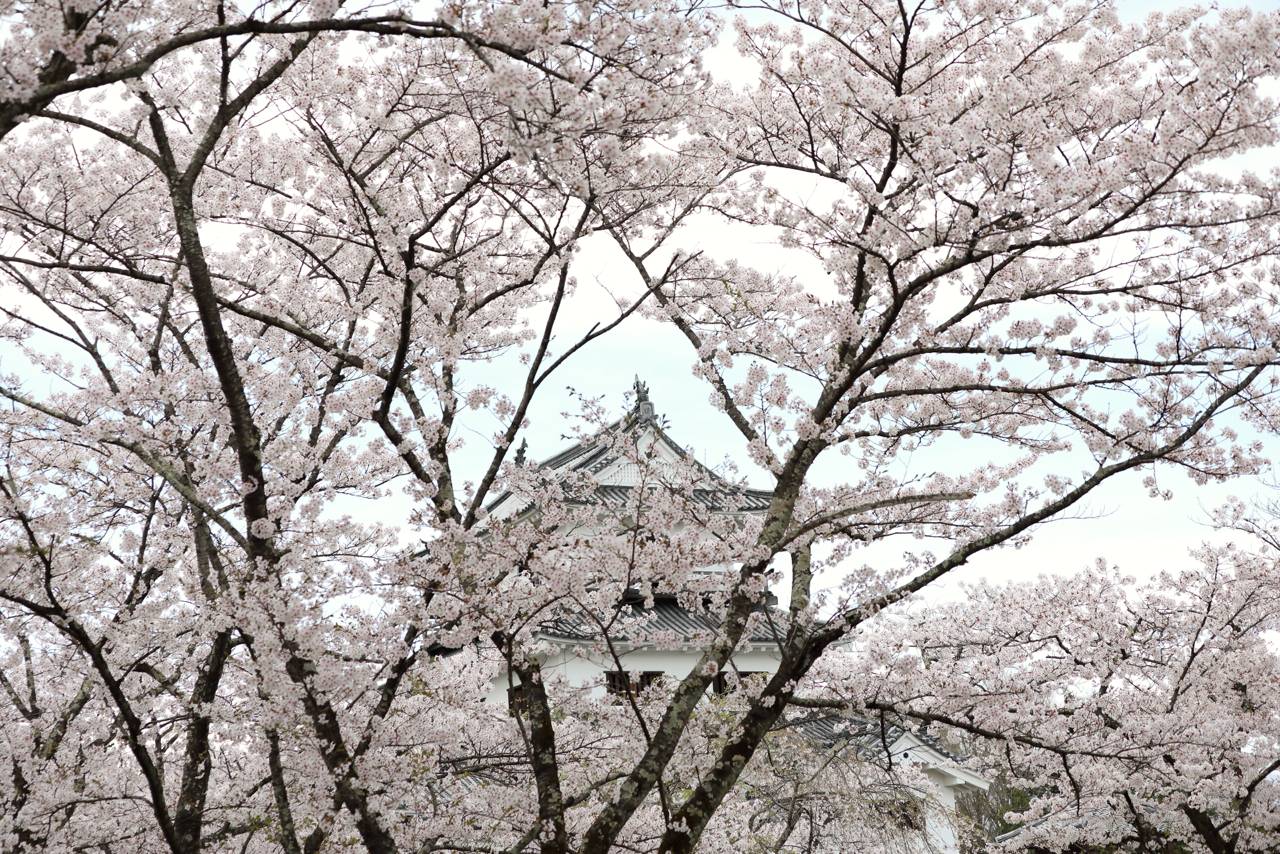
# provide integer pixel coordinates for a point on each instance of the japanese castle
(663, 637)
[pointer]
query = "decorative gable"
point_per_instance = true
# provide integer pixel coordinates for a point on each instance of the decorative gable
(615, 473)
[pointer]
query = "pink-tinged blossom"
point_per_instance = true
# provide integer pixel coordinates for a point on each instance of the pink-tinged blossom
(271, 275)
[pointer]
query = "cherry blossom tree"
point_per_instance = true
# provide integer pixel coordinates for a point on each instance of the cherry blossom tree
(50, 50)
(1139, 716)
(266, 277)
(967, 173)
(466, 191)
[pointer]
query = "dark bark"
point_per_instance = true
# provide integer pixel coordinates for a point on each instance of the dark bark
(536, 710)
(197, 765)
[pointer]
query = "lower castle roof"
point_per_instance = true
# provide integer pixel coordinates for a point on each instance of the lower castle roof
(640, 624)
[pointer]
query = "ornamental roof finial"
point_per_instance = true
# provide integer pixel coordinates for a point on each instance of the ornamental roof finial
(524, 446)
(642, 390)
(644, 406)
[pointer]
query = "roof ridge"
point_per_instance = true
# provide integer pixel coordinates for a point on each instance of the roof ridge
(596, 451)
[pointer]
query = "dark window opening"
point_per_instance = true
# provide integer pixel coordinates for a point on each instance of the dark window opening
(649, 678)
(615, 682)
(517, 700)
(619, 682)
(725, 682)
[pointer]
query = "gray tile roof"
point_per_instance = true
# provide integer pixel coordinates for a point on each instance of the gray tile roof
(727, 500)
(832, 730)
(594, 454)
(869, 736)
(664, 618)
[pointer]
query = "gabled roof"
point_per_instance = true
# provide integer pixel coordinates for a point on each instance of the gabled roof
(865, 733)
(875, 738)
(665, 617)
(600, 457)
(832, 730)
(727, 500)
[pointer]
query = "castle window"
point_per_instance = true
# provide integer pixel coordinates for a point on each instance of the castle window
(619, 682)
(725, 681)
(615, 682)
(516, 699)
(649, 678)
